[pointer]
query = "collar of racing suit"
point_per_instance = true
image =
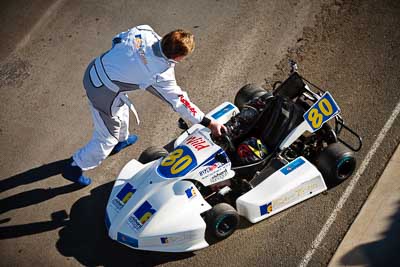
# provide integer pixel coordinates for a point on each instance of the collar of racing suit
(157, 50)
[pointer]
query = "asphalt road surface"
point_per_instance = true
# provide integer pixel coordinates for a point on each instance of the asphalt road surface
(351, 48)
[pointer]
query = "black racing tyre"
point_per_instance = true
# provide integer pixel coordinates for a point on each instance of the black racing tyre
(222, 220)
(152, 153)
(336, 163)
(247, 93)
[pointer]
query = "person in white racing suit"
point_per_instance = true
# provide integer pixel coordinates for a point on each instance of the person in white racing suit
(139, 59)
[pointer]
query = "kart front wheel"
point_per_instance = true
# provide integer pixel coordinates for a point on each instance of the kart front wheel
(336, 163)
(222, 220)
(152, 153)
(248, 93)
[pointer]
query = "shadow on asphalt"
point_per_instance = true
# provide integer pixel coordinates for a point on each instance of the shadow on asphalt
(32, 197)
(58, 219)
(85, 237)
(384, 252)
(38, 195)
(34, 175)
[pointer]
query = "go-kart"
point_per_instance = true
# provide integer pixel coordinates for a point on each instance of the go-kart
(170, 201)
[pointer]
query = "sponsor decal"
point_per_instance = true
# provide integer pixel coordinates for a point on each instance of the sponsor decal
(292, 166)
(138, 41)
(117, 204)
(190, 192)
(222, 111)
(187, 104)
(283, 201)
(219, 176)
(130, 241)
(126, 193)
(123, 196)
(175, 239)
(266, 209)
(308, 189)
(140, 47)
(197, 142)
(211, 168)
(290, 197)
(141, 215)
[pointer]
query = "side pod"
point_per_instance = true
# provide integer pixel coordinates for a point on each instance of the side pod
(293, 183)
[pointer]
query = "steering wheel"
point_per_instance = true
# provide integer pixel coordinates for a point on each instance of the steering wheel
(225, 142)
(228, 143)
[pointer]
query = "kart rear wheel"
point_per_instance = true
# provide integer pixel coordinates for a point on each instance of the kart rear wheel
(152, 153)
(336, 163)
(222, 220)
(247, 93)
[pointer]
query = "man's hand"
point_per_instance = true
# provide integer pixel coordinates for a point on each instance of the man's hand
(217, 129)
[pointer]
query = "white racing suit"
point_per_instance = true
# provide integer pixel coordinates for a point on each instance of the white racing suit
(134, 62)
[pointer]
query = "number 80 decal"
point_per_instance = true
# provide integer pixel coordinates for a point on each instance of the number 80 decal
(178, 163)
(322, 111)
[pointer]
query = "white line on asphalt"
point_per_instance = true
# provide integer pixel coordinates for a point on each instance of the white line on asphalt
(324, 231)
(42, 21)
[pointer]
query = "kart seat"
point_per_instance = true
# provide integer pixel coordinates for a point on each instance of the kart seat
(292, 87)
(279, 118)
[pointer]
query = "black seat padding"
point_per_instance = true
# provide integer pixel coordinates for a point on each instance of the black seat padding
(292, 87)
(279, 118)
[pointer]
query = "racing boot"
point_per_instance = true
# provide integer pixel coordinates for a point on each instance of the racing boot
(121, 145)
(73, 173)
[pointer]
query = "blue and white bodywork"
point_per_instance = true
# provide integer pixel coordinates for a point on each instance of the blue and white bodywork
(156, 206)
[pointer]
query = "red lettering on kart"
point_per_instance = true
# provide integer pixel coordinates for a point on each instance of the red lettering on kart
(197, 142)
(187, 105)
